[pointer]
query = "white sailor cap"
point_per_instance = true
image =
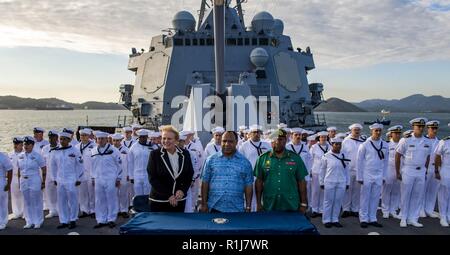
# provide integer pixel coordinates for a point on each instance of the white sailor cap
(395, 129)
(18, 139)
(152, 134)
(29, 140)
(337, 139)
(220, 130)
(407, 132)
(242, 128)
(38, 130)
(341, 135)
(277, 133)
(297, 130)
(52, 133)
(136, 126)
(101, 134)
(255, 128)
(65, 134)
(308, 132)
(127, 129)
(182, 137)
(311, 137)
(117, 136)
(187, 132)
(246, 131)
(85, 131)
(68, 130)
(287, 130)
(142, 132)
(281, 126)
(418, 121)
(355, 125)
(376, 126)
(268, 131)
(331, 129)
(433, 123)
(322, 133)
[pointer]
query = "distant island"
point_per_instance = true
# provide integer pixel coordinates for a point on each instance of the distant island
(19, 103)
(338, 105)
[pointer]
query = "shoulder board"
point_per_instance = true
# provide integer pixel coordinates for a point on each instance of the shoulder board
(447, 138)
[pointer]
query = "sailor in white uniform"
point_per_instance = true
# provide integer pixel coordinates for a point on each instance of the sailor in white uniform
(252, 149)
(431, 183)
(73, 140)
(411, 161)
(215, 145)
(299, 146)
(195, 147)
(123, 192)
(86, 192)
(312, 139)
(66, 169)
(332, 131)
(372, 164)
(135, 128)
(40, 142)
(128, 140)
(390, 197)
(192, 193)
(107, 174)
(16, 194)
(442, 173)
(138, 162)
(317, 151)
(6, 173)
(334, 180)
(31, 164)
(50, 191)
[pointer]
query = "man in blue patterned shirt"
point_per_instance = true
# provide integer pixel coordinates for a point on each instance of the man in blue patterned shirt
(226, 177)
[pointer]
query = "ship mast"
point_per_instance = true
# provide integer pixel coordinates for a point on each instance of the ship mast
(219, 54)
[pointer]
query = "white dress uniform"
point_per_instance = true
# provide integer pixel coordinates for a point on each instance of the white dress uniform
(372, 165)
(317, 152)
(212, 148)
(5, 167)
(16, 194)
(38, 146)
(415, 152)
(431, 183)
(124, 194)
(251, 151)
(302, 150)
(390, 197)
(30, 165)
(66, 166)
(192, 193)
(350, 148)
(139, 156)
(50, 193)
(106, 170)
(334, 176)
(443, 150)
(86, 191)
(128, 144)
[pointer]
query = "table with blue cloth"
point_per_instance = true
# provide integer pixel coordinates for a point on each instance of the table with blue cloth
(263, 223)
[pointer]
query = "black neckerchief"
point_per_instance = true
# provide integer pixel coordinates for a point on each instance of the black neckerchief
(82, 148)
(129, 145)
(358, 140)
(106, 151)
(258, 148)
(324, 151)
(60, 148)
(293, 149)
(379, 151)
(120, 148)
(343, 159)
(189, 145)
(215, 148)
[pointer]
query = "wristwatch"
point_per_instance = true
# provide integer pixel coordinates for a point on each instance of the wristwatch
(248, 208)
(304, 205)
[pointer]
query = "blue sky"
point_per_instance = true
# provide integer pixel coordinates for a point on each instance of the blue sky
(78, 50)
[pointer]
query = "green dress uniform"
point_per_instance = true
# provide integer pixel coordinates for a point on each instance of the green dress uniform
(280, 177)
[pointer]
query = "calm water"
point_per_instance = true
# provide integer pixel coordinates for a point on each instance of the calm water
(22, 122)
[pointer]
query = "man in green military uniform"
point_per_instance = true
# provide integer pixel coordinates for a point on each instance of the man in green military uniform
(280, 177)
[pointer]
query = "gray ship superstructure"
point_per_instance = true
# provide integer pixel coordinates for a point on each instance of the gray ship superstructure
(259, 60)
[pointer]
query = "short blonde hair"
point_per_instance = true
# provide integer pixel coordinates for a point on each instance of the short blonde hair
(170, 128)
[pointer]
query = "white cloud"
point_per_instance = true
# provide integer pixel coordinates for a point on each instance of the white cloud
(345, 33)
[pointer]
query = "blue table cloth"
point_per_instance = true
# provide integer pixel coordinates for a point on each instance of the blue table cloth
(264, 223)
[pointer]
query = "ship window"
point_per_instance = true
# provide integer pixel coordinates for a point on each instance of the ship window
(195, 42)
(263, 41)
(202, 42)
(178, 42)
(247, 41)
(254, 41)
(231, 41)
(187, 42)
(240, 41)
(209, 41)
